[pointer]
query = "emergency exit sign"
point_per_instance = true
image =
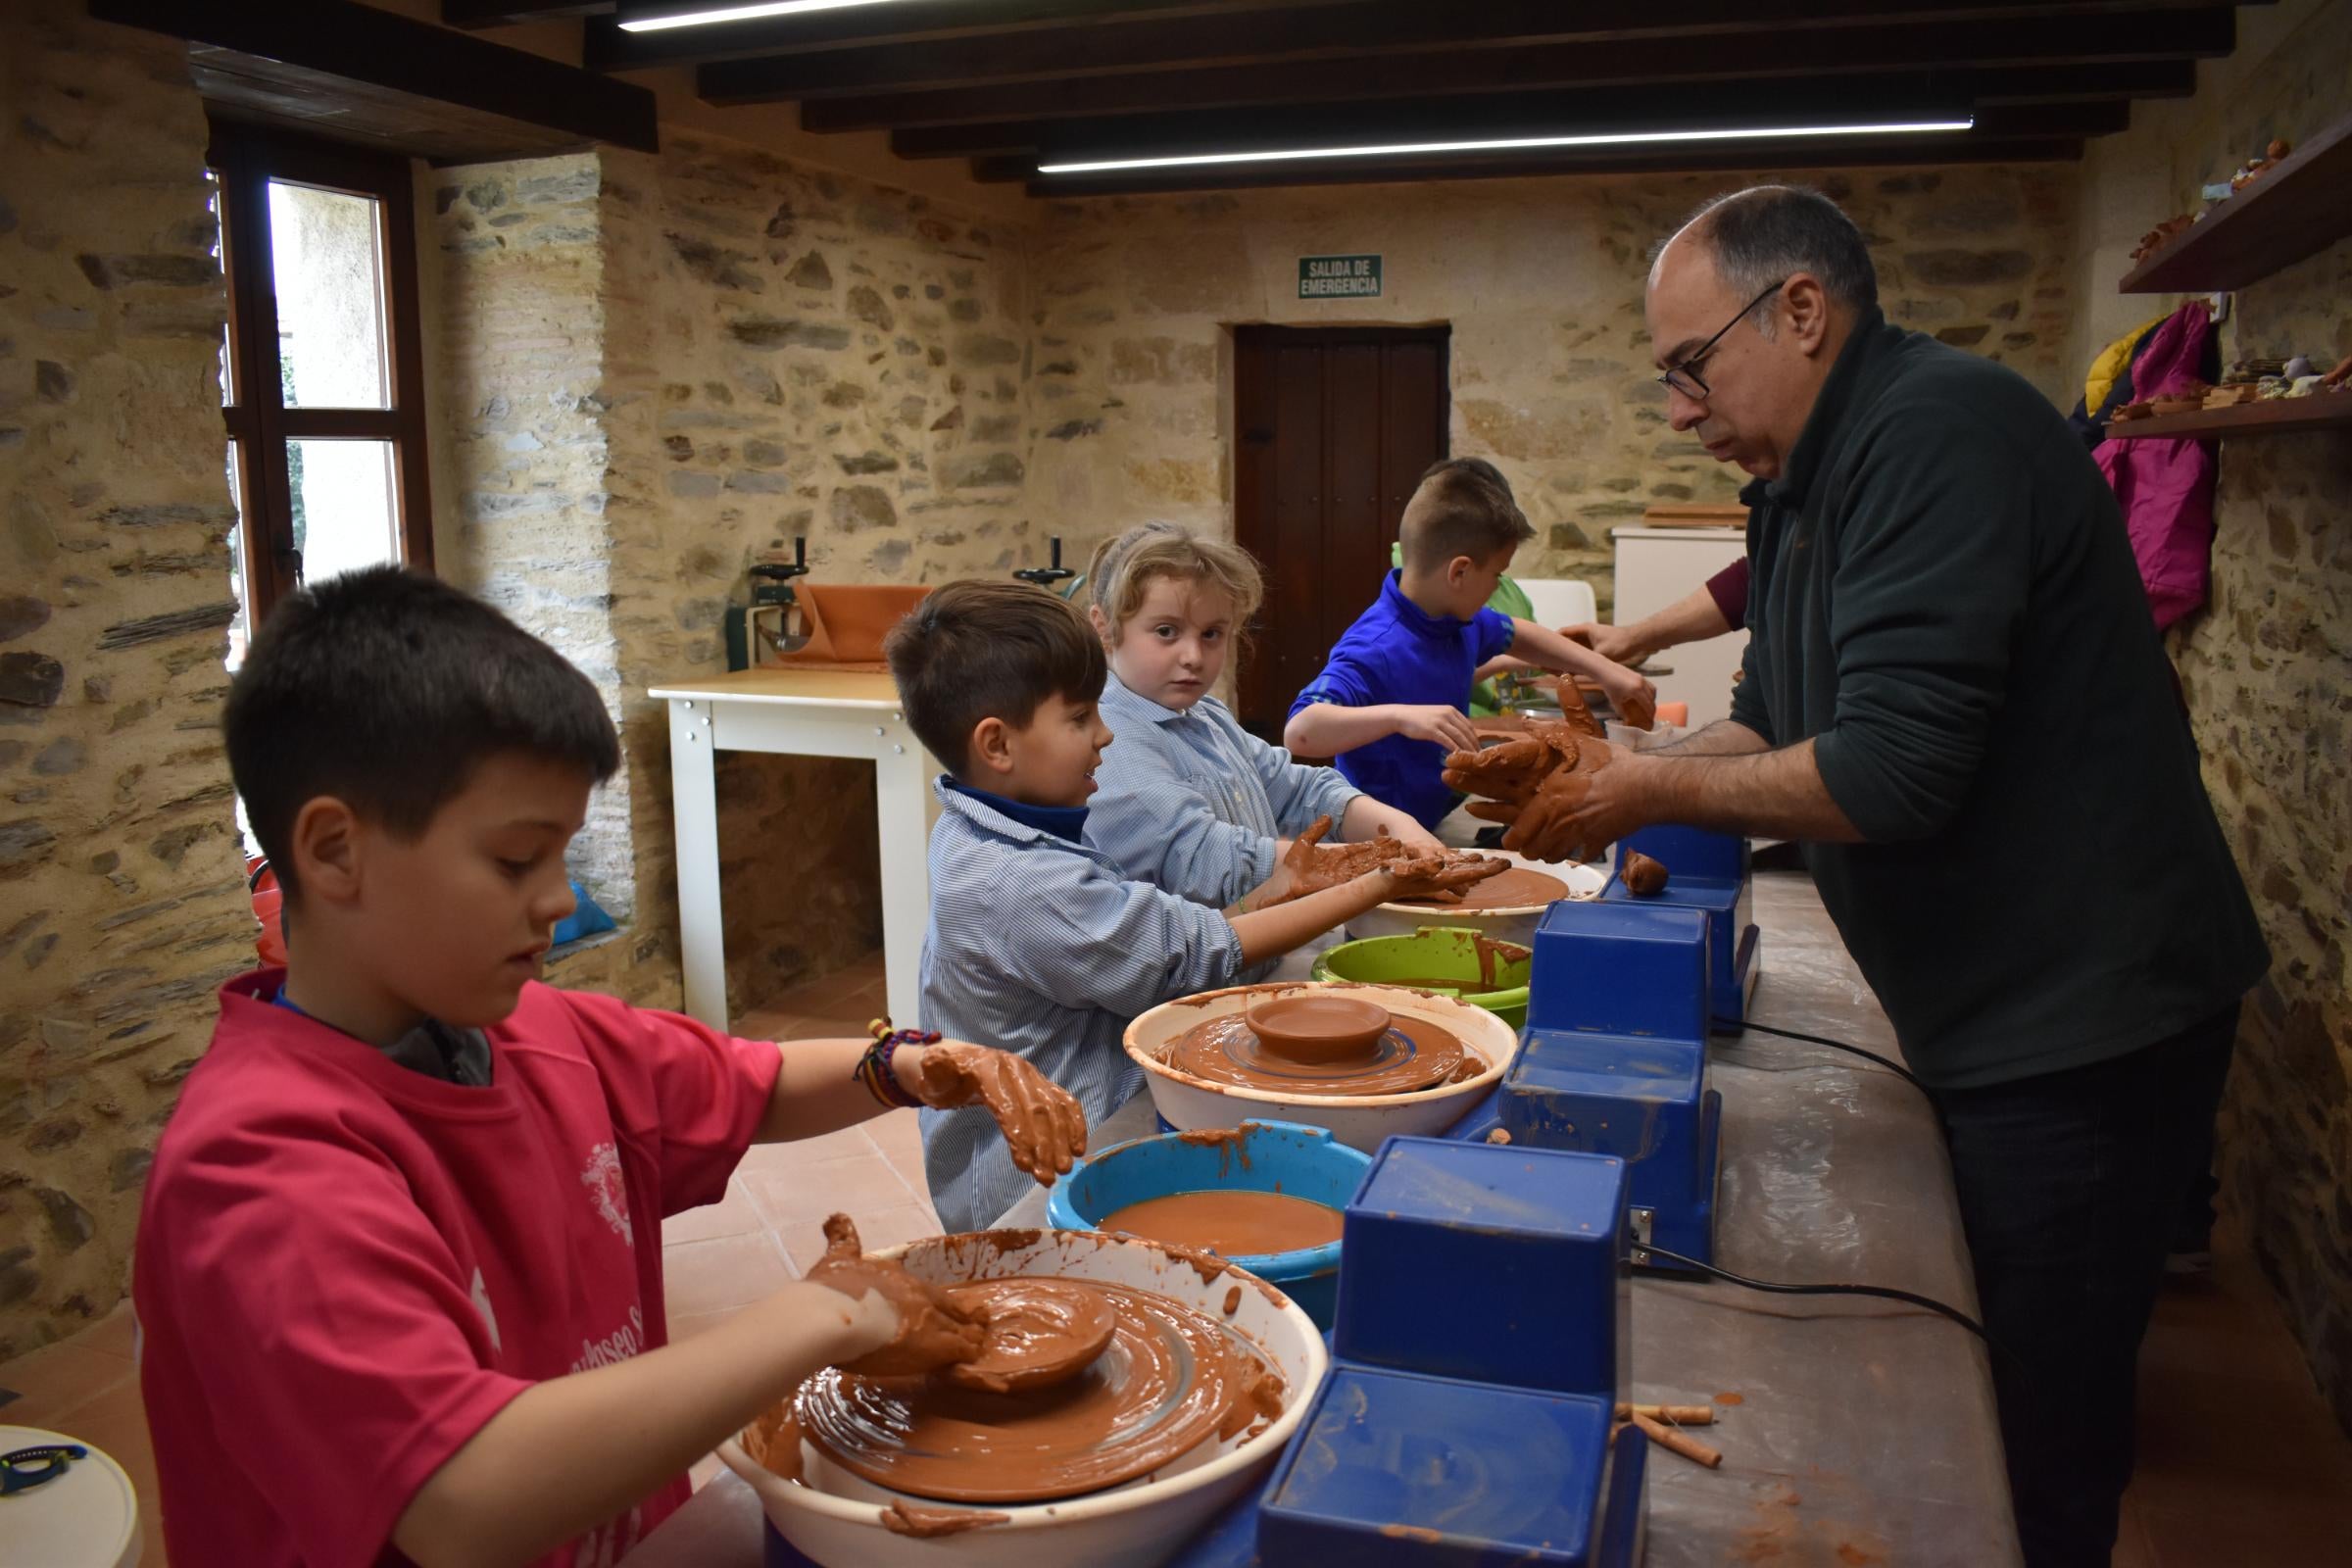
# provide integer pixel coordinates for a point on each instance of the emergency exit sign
(1338, 277)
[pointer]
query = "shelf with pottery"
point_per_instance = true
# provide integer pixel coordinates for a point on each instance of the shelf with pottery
(2321, 411)
(2299, 207)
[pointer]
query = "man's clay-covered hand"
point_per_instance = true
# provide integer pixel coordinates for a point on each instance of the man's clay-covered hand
(1043, 1126)
(1440, 873)
(1545, 829)
(931, 1333)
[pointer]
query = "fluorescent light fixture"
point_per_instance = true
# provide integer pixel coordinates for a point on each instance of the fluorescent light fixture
(739, 13)
(1622, 138)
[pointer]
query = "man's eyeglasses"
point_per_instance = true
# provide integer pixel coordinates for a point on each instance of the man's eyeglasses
(1684, 378)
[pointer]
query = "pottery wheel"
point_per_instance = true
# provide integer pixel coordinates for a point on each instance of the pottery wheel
(1171, 1379)
(1415, 1054)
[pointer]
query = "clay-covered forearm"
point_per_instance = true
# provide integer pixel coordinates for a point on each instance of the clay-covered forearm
(1772, 794)
(1326, 729)
(566, 1455)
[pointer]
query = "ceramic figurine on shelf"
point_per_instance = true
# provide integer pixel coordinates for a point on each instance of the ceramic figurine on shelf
(2255, 168)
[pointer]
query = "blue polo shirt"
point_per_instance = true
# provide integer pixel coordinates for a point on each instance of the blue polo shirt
(1397, 652)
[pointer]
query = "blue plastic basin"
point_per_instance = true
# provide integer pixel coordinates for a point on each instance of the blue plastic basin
(1270, 1156)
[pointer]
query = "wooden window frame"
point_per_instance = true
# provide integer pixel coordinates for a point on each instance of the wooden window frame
(244, 159)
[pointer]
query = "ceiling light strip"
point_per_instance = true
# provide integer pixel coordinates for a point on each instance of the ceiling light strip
(739, 13)
(1626, 138)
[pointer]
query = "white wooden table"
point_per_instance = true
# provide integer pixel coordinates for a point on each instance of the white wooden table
(812, 712)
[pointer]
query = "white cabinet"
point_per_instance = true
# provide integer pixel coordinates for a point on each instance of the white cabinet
(1655, 567)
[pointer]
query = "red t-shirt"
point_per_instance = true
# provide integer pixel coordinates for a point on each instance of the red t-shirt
(345, 1268)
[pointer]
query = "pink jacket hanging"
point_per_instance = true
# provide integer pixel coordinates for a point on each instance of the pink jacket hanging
(2165, 485)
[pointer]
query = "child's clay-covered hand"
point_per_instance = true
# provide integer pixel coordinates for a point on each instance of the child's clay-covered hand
(1633, 697)
(1439, 873)
(1044, 1127)
(931, 1333)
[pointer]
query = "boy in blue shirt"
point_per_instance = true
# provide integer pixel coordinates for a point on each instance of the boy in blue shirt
(1389, 702)
(1037, 942)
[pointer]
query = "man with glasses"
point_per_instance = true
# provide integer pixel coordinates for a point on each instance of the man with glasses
(1955, 694)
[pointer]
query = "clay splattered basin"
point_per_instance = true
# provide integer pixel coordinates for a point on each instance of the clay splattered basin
(1511, 922)
(1360, 1121)
(835, 1518)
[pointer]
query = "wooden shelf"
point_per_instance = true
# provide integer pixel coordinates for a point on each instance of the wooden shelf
(2297, 209)
(2323, 411)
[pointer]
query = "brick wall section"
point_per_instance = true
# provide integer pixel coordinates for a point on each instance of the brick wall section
(122, 903)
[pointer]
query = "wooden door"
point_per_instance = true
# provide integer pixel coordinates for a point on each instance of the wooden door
(1332, 427)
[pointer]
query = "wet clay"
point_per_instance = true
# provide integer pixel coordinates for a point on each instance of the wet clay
(1172, 1378)
(1414, 1055)
(1517, 887)
(904, 1519)
(1226, 1141)
(1233, 1223)
(1491, 957)
(1034, 1332)
(1318, 1027)
(1642, 876)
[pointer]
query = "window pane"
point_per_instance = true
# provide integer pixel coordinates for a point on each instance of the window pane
(240, 630)
(228, 379)
(346, 514)
(330, 316)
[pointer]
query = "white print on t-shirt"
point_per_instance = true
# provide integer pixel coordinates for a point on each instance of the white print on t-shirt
(608, 1542)
(481, 1304)
(619, 1346)
(602, 1178)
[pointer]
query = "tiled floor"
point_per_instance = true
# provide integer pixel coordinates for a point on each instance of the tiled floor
(2239, 1460)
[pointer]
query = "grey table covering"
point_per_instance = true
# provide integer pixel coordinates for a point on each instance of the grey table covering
(1865, 1431)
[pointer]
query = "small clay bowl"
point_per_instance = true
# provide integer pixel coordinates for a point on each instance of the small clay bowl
(1318, 1029)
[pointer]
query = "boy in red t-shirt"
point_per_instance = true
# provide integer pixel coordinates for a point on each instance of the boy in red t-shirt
(398, 1267)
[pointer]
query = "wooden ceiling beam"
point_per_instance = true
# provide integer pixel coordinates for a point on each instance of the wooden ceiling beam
(377, 48)
(475, 14)
(609, 48)
(1926, 152)
(1388, 26)
(1454, 119)
(2017, 77)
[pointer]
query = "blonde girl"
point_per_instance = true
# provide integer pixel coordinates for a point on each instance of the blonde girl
(1188, 800)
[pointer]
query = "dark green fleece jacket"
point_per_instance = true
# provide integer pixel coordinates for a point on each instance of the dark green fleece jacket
(1944, 602)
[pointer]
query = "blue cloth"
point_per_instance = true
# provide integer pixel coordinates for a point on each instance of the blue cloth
(586, 919)
(1039, 946)
(1397, 652)
(1062, 822)
(1191, 802)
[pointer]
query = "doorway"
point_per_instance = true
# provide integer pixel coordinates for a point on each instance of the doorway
(1332, 427)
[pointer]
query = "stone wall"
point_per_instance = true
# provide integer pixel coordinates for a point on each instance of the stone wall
(2268, 669)
(121, 905)
(1542, 281)
(652, 369)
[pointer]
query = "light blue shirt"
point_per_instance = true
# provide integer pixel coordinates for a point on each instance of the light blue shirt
(1188, 800)
(1040, 947)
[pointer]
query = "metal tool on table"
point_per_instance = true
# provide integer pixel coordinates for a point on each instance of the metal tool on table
(769, 624)
(1047, 575)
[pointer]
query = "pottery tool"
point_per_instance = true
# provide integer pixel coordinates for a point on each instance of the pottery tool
(1673, 1441)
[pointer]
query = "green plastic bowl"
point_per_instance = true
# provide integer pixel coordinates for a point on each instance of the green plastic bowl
(1447, 954)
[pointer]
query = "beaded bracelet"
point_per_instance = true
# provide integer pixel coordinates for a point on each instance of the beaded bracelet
(873, 1068)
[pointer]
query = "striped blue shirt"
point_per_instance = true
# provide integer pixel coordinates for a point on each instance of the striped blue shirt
(1191, 802)
(1040, 946)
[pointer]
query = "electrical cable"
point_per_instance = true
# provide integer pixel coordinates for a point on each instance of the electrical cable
(1888, 1062)
(1887, 1292)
